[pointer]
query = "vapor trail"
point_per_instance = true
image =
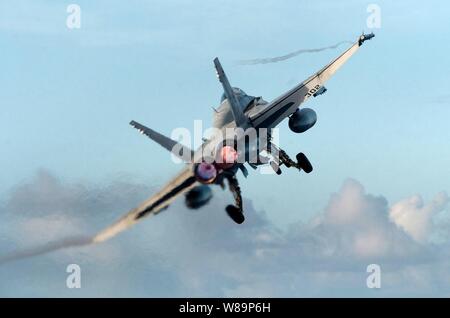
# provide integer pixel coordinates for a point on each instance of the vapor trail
(114, 229)
(290, 55)
(47, 248)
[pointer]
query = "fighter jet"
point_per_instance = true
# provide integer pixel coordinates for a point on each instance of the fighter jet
(219, 160)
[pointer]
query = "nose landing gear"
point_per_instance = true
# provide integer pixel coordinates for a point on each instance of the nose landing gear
(235, 211)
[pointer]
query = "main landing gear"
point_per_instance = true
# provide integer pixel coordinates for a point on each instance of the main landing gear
(302, 162)
(235, 211)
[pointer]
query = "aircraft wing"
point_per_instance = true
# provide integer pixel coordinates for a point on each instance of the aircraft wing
(286, 104)
(155, 204)
(174, 147)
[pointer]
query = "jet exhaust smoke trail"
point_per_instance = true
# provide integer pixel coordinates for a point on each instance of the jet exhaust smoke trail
(121, 225)
(47, 248)
(290, 55)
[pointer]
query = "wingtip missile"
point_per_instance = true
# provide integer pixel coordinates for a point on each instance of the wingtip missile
(365, 37)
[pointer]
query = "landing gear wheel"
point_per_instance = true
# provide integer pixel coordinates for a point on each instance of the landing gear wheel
(235, 214)
(235, 211)
(275, 167)
(304, 163)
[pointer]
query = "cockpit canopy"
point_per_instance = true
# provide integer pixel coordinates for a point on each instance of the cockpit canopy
(249, 104)
(243, 99)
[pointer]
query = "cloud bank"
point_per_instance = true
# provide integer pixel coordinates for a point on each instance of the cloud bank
(203, 253)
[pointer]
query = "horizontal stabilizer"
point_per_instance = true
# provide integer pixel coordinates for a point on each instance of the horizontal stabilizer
(179, 150)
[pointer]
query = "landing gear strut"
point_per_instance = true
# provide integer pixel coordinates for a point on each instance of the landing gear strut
(301, 164)
(235, 211)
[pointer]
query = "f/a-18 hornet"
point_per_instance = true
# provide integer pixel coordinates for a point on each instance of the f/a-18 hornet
(219, 158)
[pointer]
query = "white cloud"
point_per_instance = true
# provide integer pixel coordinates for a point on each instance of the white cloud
(416, 217)
(203, 253)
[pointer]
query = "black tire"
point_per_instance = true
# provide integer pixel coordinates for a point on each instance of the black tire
(275, 166)
(235, 214)
(304, 163)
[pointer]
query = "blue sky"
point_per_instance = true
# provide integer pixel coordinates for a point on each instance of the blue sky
(67, 95)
